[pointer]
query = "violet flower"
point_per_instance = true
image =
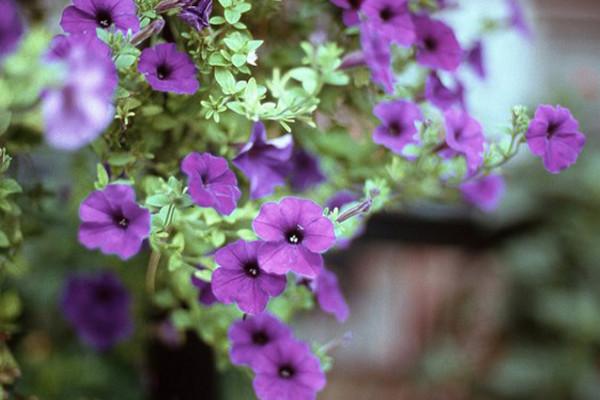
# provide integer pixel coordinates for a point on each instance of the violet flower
(378, 57)
(464, 136)
(169, 70)
(554, 135)
(295, 233)
(484, 193)
(329, 295)
(516, 18)
(113, 222)
(265, 162)
(351, 8)
(474, 58)
(11, 27)
(249, 337)
(442, 96)
(287, 370)
(241, 279)
(211, 182)
(437, 46)
(196, 13)
(305, 172)
(398, 128)
(391, 19)
(84, 16)
(98, 308)
(205, 293)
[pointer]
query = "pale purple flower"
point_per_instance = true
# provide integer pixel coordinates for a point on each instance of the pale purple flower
(398, 128)
(378, 57)
(391, 19)
(113, 222)
(211, 182)
(295, 233)
(351, 8)
(84, 16)
(205, 293)
(442, 96)
(196, 13)
(554, 135)
(169, 70)
(484, 193)
(305, 172)
(241, 279)
(474, 58)
(249, 337)
(98, 307)
(437, 46)
(516, 18)
(329, 295)
(266, 163)
(11, 27)
(287, 370)
(464, 136)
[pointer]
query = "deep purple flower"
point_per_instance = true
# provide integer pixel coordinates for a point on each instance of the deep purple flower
(351, 8)
(79, 110)
(84, 16)
(329, 295)
(113, 222)
(554, 135)
(98, 308)
(265, 162)
(205, 293)
(484, 193)
(398, 119)
(437, 46)
(287, 370)
(516, 18)
(169, 70)
(340, 199)
(305, 172)
(391, 19)
(196, 13)
(241, 279)
(211, 182)
(464, 136)
(249, 337)
(474, 58)
(296, 233)
(441, 96)
(378, 57)
(11, 27)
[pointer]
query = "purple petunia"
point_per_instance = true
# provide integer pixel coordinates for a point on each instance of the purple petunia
(211, 182)
(249, 337)
(169, 70)
(474, 58)
(378, 57)
(484, 193)
(113, 222)
(241, 279)
(11, 27)
(265, 162)
(77, 112)
(554, 135)
(287, 370)
(84, 16)
(398, 119)
(305, 172)
(437, 46)
(516, 18)
(464, 136)
(98, 308)
(295, 233)
(442, 96)
(329, 296)
(351, 9)
(391, 19)
(205, 293)
(196, 13)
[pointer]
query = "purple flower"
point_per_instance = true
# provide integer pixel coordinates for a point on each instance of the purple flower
(249, 337)
(305, 171)
(474, 58)
(437, 46)
(377, 56)
(516, 18)
(391, 19)
(442, 96)
(340, 199)
(205, 293)
(484, 193)
(211, 182)
(351, 8)
(196, 13)
(264, 162)
(113, 222)
(169, 70)
(554, 135)
(287, 370)
(296, 233)
(329, 296)
(398, 124)
(241, 278)
(98, 308)
(11, 27)
(80, 109)
(464, 136)
(84, 16)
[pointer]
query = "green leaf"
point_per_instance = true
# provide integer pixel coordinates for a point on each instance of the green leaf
(238, 60)
(217, 20)
(102, 177)
(232, 16)
(4, 242)
(10, 306)
(120, 159)
(125, 61)
(9, 186)
(226, 80)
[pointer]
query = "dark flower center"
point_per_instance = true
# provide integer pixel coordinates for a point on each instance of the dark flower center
(121, 221)
(386, 14)
(430, 44)
(286, 372)
(103, 18)
(102, 294)
(252, 270)
(552, 127)
(162, 72)
(395, 129)
(294, 236)
(355, 4)
(260, 338)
